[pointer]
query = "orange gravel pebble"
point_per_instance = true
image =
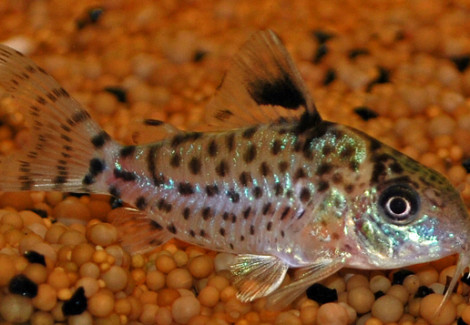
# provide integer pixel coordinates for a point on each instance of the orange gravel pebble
(429, 306)
(201, 266)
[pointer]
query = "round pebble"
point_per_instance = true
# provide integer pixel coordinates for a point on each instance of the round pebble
(379, 283)
(101, 304)
(429, 307)
(102, 234)
(15, 308)
(115, 278)
(201, 266)
(361, 299)
(184, 308)
(332, 314)
(179, 279)
(387, 308)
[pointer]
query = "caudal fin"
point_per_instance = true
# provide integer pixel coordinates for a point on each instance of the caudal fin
(67, 150)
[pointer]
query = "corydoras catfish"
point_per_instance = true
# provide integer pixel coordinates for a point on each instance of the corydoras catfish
(269, 180)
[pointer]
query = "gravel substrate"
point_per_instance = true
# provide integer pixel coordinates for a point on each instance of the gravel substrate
(396, 69)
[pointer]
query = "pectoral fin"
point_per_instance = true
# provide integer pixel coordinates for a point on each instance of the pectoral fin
(256, 276)
(305, 277)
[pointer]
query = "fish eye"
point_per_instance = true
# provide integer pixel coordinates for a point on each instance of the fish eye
(400, 203)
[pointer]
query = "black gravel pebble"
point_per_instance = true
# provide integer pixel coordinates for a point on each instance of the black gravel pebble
(461, 62)
(379, 294)
(354, 53)
(399, 276)
(461, 322)
(118, 92)
(330, 76)
(35, 257)
(423, 291)
(382, 78)
(91, 17)
(465, 279)
(365, 113)
(321, 294)
(322, 36)
(115, 202)
(322, 50)
(21, 285)
(199, 55)
(466, 164)
(77, 304)
(40, 212)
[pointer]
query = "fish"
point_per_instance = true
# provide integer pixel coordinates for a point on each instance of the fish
(266, 179)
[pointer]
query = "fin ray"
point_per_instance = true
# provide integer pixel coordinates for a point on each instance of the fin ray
(137, 231)
(64, 139)
(262, 86)
(257, 275)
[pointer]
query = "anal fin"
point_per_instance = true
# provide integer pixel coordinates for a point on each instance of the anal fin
(137, 231)
(256, 276)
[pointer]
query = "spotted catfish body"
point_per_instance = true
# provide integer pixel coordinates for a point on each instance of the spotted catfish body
(269, 180)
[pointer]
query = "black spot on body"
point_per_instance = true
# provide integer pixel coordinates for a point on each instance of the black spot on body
(276, 147)
(212, 190)
(264, 169)
(266, 208)
(284, 213)
(100, 139)
(192, 233)
(185, 189)
(324, 168)
(127, 151)
(245, 178)
(250, 132)
(141, 203)
(313, 123)
(186, 213)
(252, 230)
(323, 186)
(257, 192)
(22, 285)
(222, 168)
(175, 160)
(124, 175)
(349, 188)
(269, 226)
(155, 225)
(77, 304)
(233, 196)
(171, 228)
(184, 137)
(212, 149)
(278, 189)
(305, 195)
(222, 232)
(97, 166)
(246, 212)
(250, 153)
(202, 233)
(299, 173)
(194, 165)
(230, 141)
(281, 91)
(206, 213)
(283, 165)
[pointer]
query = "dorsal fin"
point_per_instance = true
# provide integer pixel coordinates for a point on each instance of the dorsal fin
(262, 86)
(150, 130)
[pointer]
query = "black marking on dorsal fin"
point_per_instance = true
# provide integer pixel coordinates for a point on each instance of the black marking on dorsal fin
(151, 130)
(262, 86)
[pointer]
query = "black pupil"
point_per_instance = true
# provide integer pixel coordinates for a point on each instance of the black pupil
(398, 205)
